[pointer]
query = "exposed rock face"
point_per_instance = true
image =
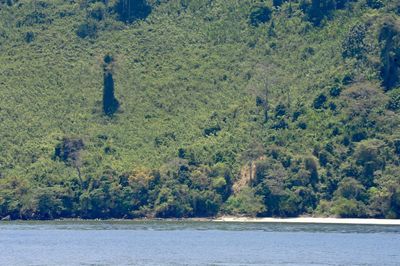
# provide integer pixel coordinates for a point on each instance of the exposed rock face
(247, 175)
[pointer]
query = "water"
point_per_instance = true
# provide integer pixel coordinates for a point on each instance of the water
(196, 243)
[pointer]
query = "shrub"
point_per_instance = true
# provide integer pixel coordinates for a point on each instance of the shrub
(302, 125)
(260, 15)
(48, 204)
(212, 130)
(319, 101)
(335, 131)
(317, 10)
(397, 146)
(362, 99)
(181, 153)
(260, 101)
(297, 114)
(394, 101)
(277, 3)
(280, 110)
(347, 79)
(29, 37)
(350, 188)
(323, 208)
(36, 17)
(68, 150)
(307, 53)
(332, 106)
(173, 202)
(335, 91)
(341, 4)
(164, 139)
(323, 158)
(354, 44)
(97, 11)
(8, 2)
(281, 124)
(358, 136)
(367, 155)
(205, 203)
(88, 28)
(375, 4)
(290, 205)
(244, 203)
(347, 208)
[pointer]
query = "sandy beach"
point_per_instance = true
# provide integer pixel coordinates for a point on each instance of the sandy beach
(311, 220)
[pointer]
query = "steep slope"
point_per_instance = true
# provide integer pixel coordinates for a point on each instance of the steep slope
(204, 87)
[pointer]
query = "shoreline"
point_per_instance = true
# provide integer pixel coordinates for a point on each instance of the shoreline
(310, 220)
(234, 219)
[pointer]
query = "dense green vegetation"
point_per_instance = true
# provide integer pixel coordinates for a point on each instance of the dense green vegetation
(182, 108)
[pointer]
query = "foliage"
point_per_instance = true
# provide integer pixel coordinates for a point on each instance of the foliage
(354, 44)
(347, 208)
(394, 101)
(29, 37)
(389, 37)
(260, 15)
(244, 203)
(376, 4)
(97, 11)
(88, 28)
(131, 10)
(317, 10)
(294, 102)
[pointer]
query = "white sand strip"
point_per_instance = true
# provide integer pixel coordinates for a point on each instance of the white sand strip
(310, 220)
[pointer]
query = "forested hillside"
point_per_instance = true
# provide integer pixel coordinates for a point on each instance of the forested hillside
(197, 108)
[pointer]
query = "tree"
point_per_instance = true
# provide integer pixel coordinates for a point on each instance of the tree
(69, 152)
(88, 29)
(110, 103)
(385, 197)
(29, 37)
(350, 188)
(347, 208)
(354, 45)
(173, 201)
(97, 11)
(245, 203)
(131, 10)
(389, 38)
(361, 103)
(375, 4)
(205, 203)
(319, 101)
(311, 165)
(317, 10)
(252, 153)
(260, 15)
(278, 3)
(368, 155)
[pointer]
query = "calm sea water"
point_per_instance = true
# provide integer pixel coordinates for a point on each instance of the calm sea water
(196, 243)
